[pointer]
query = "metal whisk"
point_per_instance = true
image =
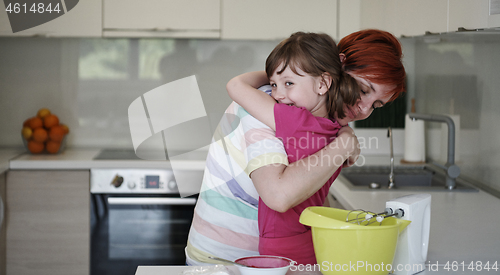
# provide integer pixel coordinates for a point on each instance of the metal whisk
(367, 217)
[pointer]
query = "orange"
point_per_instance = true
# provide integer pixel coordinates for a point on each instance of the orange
(26, 123)
(66, 128)
(53, 146)
(57, 133)
(27, 132)
(50, 121)
(35, 147)
(43, 112)
(40, 135)
(35, 122)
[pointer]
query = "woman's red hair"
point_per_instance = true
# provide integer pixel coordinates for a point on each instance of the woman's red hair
(375, 55)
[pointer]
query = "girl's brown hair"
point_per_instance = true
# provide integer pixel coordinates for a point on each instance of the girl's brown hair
(375, 55)
(316, 54)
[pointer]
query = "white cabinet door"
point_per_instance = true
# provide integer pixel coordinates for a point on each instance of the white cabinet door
(469, 14)
(405, 17)
(277, 19)
(82, 20)
(494, 14)
(474, 14)
(48, 222)
(167, 18)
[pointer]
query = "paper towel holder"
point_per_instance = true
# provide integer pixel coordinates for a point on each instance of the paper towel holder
(414, 160)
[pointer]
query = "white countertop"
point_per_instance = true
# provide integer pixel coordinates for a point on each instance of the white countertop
(463, 224)
(80, 159)
(6, 155)
(77, 159)
(177, 270)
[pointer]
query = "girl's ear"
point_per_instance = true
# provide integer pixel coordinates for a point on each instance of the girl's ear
(326, 82)
(342, 58)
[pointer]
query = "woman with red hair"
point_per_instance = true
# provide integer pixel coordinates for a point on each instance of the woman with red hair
(373, 58)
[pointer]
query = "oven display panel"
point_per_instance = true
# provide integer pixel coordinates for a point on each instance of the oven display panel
(152, 182)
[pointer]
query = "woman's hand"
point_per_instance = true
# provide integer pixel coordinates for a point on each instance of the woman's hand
(349, 141)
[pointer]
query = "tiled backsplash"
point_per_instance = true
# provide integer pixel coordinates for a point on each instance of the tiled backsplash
(90, 83)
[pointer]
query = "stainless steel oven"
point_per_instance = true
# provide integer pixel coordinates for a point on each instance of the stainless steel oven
(137, 218)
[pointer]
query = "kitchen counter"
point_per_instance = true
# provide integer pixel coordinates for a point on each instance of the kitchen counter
(6, 155)
(177, 270)
(80, 159)
(463, 224)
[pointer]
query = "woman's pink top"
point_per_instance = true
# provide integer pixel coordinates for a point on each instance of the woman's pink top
(303, 134)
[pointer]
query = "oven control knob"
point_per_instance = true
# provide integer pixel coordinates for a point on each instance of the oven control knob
(172, 185)
(131, 184)
(117, 181)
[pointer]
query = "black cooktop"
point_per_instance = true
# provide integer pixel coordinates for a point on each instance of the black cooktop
(116, 154)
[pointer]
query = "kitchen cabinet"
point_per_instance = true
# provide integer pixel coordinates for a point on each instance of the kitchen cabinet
(82, 20)
(277, 19)
(404, 17)
(474, 14)
(48, 222)
(161, 18)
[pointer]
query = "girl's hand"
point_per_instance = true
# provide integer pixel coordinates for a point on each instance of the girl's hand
(350, 142)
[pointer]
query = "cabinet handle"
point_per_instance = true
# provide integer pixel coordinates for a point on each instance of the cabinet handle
(462, 29)
(150, 201)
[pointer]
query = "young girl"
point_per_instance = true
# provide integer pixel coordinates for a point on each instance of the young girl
(308, 91)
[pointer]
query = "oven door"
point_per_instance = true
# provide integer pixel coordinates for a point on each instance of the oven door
(131, 230)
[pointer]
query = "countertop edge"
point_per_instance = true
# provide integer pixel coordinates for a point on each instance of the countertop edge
(82, 159)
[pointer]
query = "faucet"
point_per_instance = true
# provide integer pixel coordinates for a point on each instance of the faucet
(391, 185)
(452, 170)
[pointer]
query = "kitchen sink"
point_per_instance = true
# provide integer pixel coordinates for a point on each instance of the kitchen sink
(427, 178)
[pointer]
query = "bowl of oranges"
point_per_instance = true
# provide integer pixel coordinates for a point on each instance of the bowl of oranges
(44, 133)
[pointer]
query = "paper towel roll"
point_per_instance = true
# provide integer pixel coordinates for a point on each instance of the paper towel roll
(444, 139)
(414, 140)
